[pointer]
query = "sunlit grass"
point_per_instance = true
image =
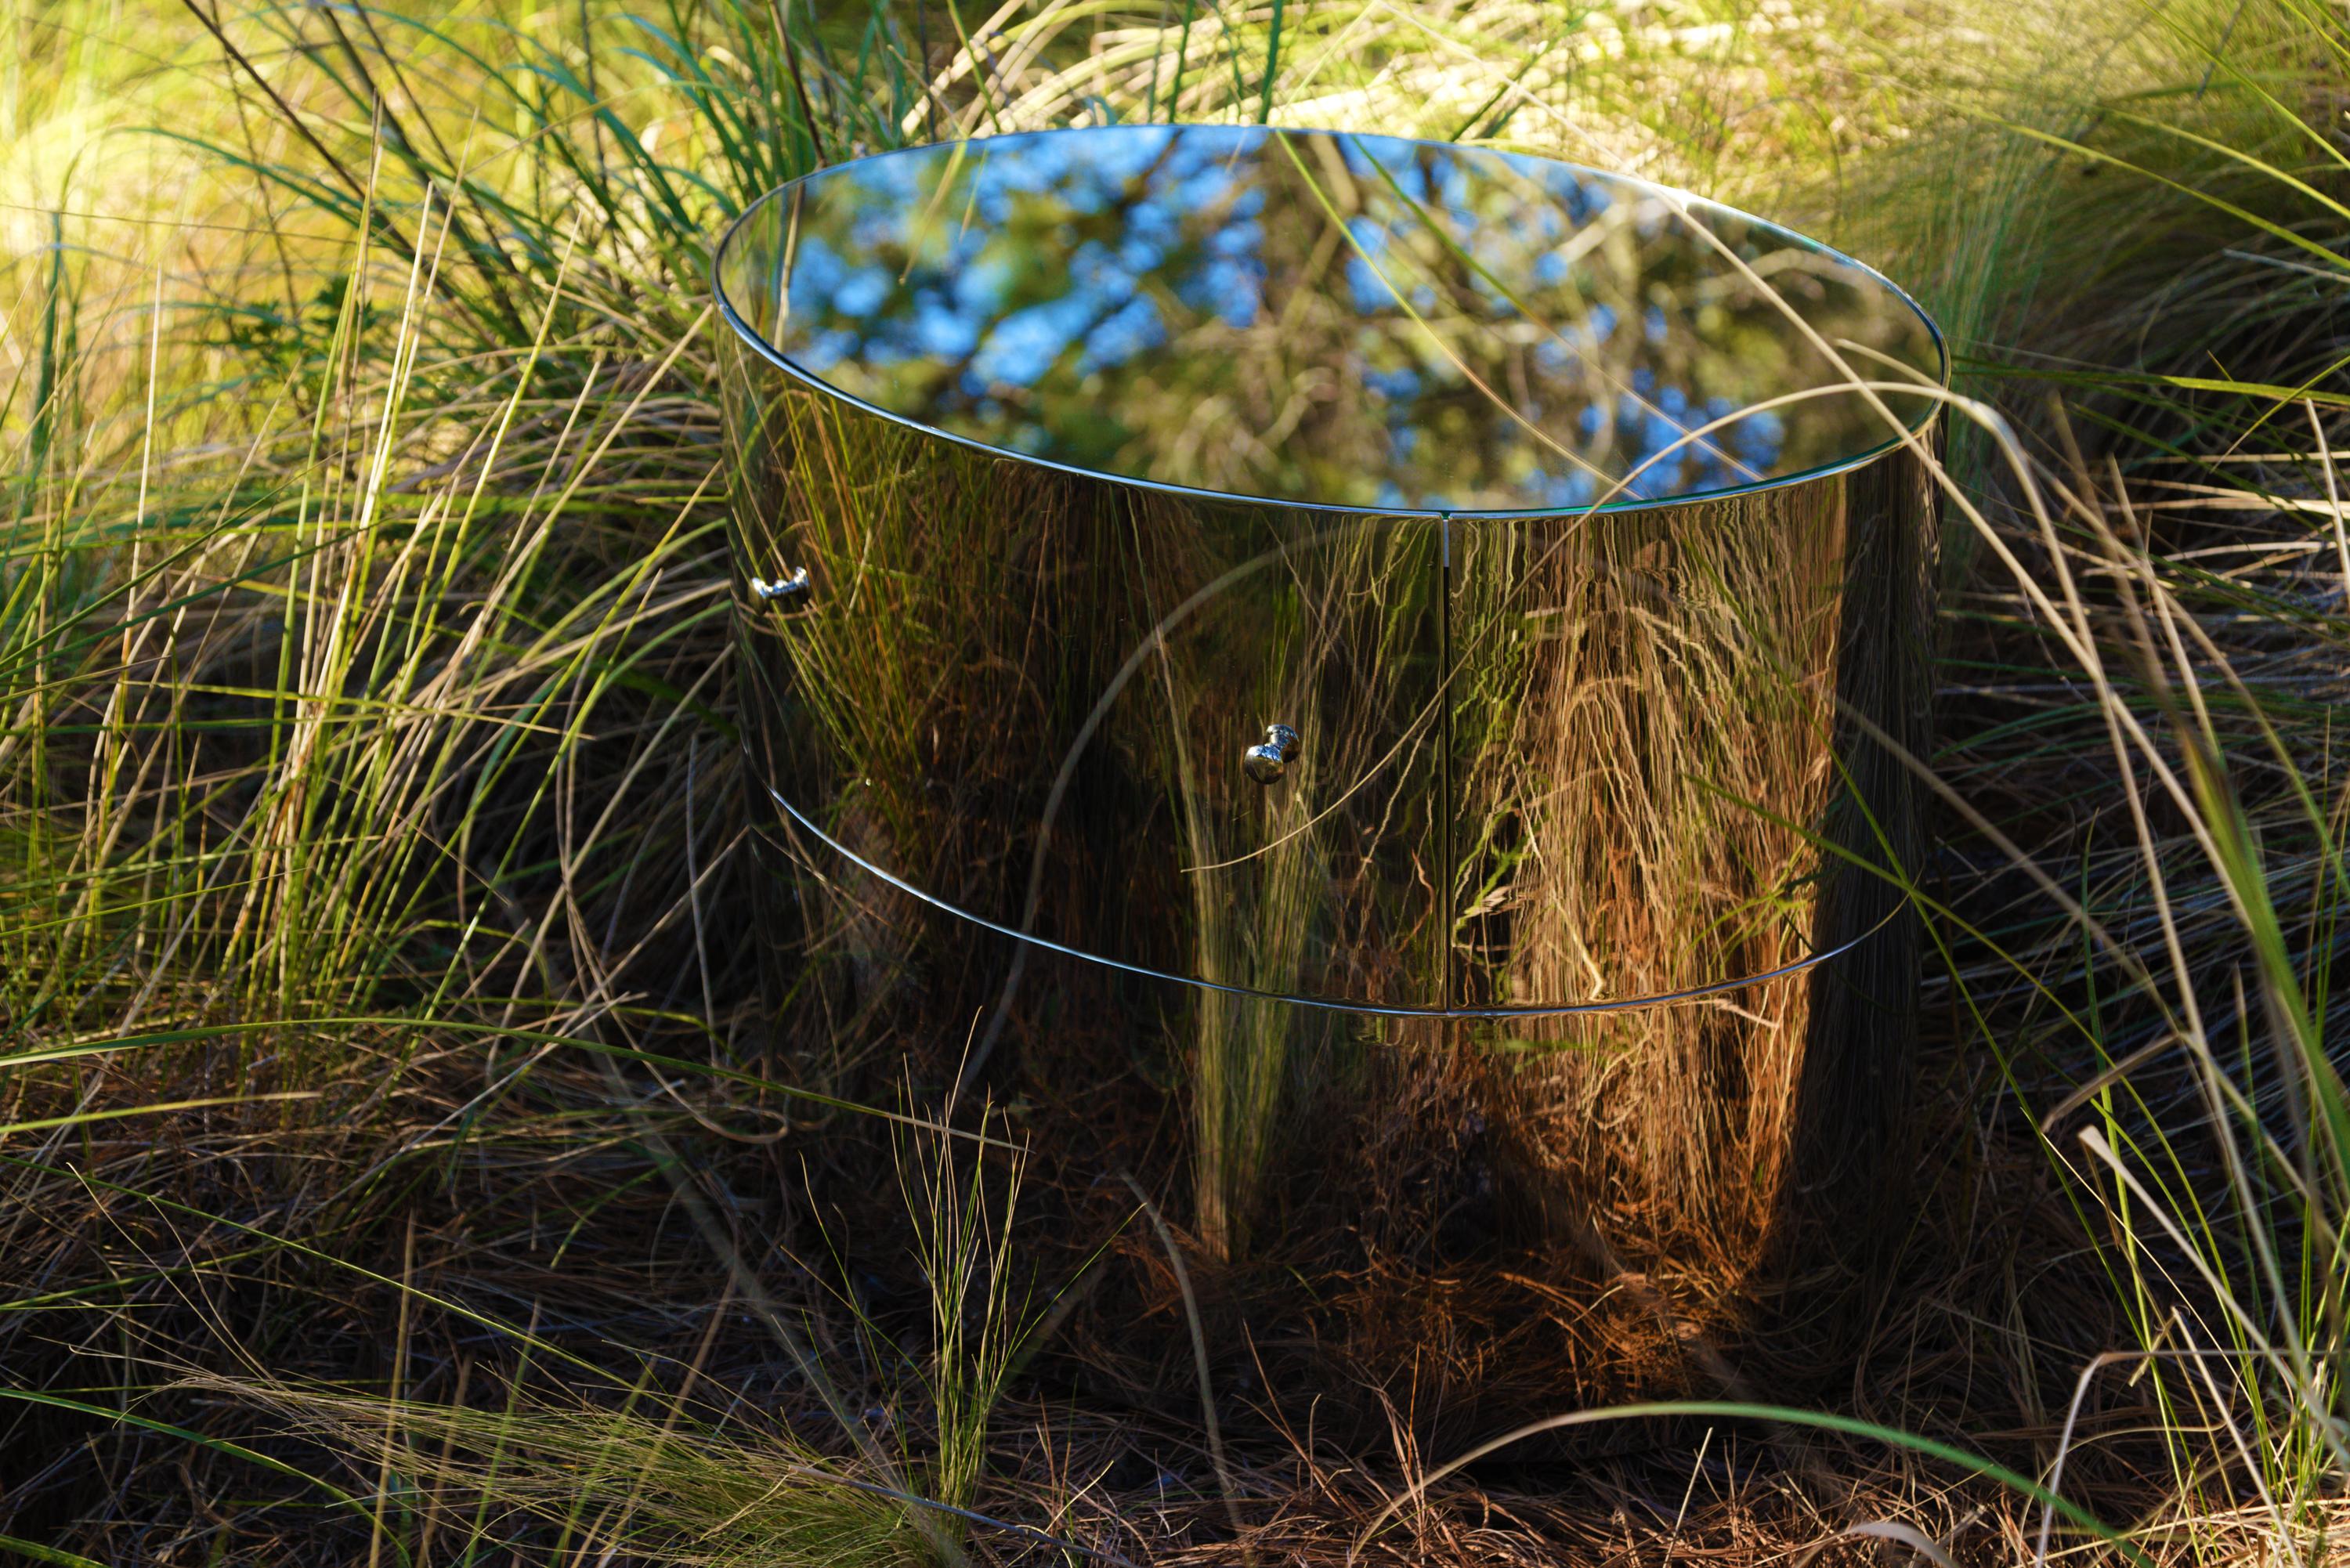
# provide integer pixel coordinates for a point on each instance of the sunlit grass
(361, 657)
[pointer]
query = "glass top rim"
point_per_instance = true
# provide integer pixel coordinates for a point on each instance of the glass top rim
(1846, 464)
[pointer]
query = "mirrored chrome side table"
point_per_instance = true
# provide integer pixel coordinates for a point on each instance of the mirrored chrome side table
(1329, 587)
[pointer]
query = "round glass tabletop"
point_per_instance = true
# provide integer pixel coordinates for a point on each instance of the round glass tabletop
(1329, 321)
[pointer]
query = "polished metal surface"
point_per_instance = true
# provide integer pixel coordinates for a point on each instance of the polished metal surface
(782, 587)
(1268, 761)
(1332, 321)
(1574, 535)
(1569, 760)
(1027, 695)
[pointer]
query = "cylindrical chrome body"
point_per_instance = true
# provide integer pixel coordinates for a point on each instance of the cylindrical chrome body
(1606, 804)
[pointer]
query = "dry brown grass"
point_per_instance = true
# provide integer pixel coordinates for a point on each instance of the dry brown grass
(470, 779)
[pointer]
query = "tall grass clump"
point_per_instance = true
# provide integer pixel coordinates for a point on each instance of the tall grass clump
(670, 1474)
(398, 1160)
(2147, 677)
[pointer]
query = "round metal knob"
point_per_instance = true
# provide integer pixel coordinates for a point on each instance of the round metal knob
(1268, 762)
(782, 587)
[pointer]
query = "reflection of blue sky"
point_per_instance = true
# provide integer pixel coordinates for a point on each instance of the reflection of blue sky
(972, 260)
(862, 292)
(1133, 328)
(1024, 345)
(1069, 264)
(941, 330)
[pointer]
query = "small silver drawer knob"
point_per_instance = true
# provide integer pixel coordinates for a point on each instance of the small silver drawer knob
(1267, 762)
(782, 588)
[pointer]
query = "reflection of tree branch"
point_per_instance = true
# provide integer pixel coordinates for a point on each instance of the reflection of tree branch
(1520, 399)
(1136, 189)
(1624, 389)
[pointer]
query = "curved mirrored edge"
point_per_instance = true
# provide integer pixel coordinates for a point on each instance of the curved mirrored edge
(1326, 1003)
(767, 351)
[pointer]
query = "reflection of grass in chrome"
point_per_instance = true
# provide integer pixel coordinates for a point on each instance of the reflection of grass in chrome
(1632, 678)
(367, 780)
(1268, 889)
